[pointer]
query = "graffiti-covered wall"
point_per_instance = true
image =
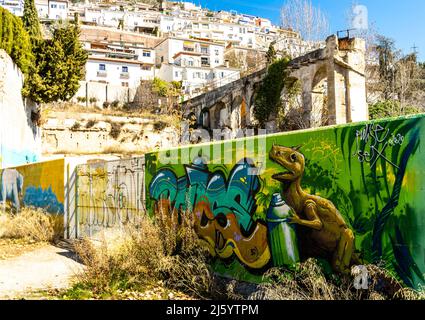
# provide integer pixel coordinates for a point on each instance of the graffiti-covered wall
(109, 194)
(39, 185)
(345, 195)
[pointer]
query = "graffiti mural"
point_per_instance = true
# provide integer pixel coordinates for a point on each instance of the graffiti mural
(39, 185)
(110, 194)
(345, 195)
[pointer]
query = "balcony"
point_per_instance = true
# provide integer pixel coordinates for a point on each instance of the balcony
(102, 73)
(124, 75)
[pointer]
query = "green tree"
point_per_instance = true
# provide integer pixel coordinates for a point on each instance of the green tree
(60, 63)
(30, 20)
(391, 108)
(271, 54)
(267, 100)
(15, 40)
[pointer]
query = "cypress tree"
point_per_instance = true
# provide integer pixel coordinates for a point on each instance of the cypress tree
(60, 65)
(15, 40)
(30, 20)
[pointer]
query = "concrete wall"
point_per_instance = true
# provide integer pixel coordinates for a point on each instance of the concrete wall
(353, 193)
(109, 195)
(20, 138)
(103, 92)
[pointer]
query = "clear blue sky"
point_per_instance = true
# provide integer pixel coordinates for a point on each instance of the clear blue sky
(402, 20)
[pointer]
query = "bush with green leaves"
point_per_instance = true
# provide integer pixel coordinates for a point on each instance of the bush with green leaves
(59, 66)
(391, 108)
(267, 99)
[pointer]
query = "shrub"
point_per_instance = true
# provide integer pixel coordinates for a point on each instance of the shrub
(159, 250)
(81, 99)
(93, 100)
(115, 104)
(159, 126)
(31, 224)
(115, 130)
(90, 123)
(76, 126)
(106, 105)
(391, 108)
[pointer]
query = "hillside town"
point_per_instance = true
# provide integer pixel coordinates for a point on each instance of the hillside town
(176, 41)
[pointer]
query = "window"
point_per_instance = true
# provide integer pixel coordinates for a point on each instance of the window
(124, 84)
(204, 50)
(125, 69)
(217, 52)
(146, 53)
(205, 61)
(217, 61)
(102, 67)
(190, 62)
(61, 6)
(53, 6)
(176, 74)
(147, 68)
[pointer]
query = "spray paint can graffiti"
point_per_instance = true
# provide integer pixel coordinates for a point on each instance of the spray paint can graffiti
(281, 234)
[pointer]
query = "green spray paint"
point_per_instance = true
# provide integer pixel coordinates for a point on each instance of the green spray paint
(282, 236)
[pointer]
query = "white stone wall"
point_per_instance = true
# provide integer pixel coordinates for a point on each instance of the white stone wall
(20, 139)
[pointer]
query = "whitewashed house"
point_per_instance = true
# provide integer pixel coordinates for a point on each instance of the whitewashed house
(199, 65)
(14, 6)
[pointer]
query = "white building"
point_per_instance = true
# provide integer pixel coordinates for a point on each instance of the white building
(143, 21)
(14, 6)
(119, 66)
(42, 7)
(52, 9)
(58, 9)
(199, 65)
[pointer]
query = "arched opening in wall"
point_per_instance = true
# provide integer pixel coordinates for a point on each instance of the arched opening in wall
(236, 113)
(319, 99)
(250, 118)
(205, 120)
(219, 116)
(191, 120)
(293, 114)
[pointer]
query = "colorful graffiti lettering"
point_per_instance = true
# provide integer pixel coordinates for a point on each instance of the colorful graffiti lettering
(223, 208)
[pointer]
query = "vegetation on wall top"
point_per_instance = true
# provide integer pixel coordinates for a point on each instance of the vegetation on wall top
(14, 39)
(267, 99)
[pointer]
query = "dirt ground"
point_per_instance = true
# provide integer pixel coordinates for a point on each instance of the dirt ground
(36, 267)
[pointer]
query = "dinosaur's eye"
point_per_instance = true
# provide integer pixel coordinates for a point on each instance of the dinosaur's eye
(293, 157)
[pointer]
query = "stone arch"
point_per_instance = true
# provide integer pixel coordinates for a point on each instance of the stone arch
(219, 115)
(236, 112)
(205, 119)
(319, 97)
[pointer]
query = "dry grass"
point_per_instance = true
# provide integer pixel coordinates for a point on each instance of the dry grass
(31, 225)
(159, 252)
(172, 118)
(308, 282)
(162, 259)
